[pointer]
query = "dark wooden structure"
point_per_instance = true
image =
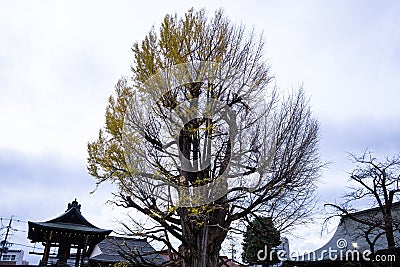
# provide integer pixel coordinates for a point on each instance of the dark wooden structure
(68, 231)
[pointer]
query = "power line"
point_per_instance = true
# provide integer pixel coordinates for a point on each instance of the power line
(5, 239)
(26, 246)
(14, 219)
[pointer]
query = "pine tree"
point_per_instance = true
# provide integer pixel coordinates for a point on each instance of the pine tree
(261, 235)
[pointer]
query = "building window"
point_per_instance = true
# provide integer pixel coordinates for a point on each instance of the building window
(9, 257)
(6, 257)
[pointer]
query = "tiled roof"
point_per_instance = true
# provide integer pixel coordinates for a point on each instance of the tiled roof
(370, 211)
(71, 227)
(137, 250)
(71, 222)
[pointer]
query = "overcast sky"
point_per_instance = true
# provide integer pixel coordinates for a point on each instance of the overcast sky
(60, 60)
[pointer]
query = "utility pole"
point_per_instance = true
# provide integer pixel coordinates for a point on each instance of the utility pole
(5, 239)
(233, 251)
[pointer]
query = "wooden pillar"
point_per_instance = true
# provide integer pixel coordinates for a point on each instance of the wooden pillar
(84, 251)
(46, 253)
(63, 252)
(78, 256)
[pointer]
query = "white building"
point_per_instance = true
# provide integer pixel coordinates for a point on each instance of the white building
(13, 256)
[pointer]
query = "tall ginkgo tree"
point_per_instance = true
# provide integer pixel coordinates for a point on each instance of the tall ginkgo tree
(198, 139)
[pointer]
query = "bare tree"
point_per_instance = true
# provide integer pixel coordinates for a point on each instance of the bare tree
(374, 182)
(200, 140)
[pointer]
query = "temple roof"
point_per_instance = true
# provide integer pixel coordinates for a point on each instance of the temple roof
(70, 225)
(351, 235)
(111, 249)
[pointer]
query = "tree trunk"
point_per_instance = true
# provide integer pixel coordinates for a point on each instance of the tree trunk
(204, 226)
(199, 258)
(201, 254)
(389, 230)
(390, 237)
(204, 236)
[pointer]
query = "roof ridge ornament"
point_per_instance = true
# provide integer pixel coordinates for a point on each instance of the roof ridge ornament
(74, 204)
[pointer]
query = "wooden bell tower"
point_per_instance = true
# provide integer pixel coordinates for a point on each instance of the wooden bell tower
(68, 231)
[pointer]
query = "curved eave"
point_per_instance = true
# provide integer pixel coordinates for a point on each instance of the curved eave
(45, 231)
